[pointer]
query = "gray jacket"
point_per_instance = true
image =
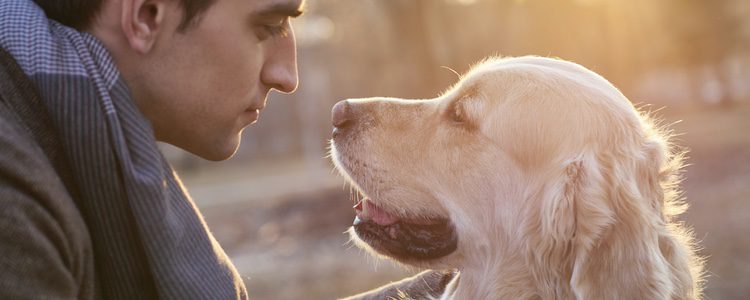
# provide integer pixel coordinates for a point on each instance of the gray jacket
(45, 249)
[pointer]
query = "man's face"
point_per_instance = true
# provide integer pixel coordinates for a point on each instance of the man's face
(202, 86)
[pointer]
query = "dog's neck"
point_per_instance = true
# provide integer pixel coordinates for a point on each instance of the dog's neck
(476, 284)
(523, 271)
(507, 277)
(505, 270)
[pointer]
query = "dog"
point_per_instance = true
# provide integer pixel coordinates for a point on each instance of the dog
(534, 177)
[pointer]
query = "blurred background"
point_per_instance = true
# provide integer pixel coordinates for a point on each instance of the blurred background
(280, 211)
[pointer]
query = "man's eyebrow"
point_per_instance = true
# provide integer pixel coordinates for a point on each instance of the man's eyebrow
(291, 9)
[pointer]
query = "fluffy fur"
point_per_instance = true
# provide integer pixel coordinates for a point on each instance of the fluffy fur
(558, 188)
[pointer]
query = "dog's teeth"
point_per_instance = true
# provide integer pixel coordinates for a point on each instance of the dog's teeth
(365, 209)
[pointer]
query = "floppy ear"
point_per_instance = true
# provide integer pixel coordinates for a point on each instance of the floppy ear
(625, 256)
(572, 214)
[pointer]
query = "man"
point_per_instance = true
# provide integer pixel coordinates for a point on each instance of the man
(89, 208)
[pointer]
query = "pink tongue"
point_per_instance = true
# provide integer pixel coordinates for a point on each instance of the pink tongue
(375, 214)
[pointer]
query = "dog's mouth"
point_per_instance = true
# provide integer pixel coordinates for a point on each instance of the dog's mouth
(401, 238)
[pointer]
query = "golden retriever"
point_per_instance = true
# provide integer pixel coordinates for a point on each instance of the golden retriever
(534, 177)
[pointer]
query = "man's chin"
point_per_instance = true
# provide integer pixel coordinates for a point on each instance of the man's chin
(219, 156)
(222, 153)
(216, 151)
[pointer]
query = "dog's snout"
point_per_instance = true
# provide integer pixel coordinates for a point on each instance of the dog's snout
(341, 115)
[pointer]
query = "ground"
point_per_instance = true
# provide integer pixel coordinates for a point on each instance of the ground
(283, 223)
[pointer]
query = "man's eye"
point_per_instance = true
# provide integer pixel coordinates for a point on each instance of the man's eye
(279, 29)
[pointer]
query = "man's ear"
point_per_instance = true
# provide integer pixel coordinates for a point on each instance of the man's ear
(141, 22)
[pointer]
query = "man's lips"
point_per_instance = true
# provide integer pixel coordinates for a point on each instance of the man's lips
(252, 114)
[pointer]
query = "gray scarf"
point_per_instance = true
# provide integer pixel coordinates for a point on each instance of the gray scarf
(149, 239)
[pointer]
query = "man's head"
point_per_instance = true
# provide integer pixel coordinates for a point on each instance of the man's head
(199, 70)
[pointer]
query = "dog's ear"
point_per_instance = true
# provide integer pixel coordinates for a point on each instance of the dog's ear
(572, 211)
(569, 214)
(574, 207)
(622, 247)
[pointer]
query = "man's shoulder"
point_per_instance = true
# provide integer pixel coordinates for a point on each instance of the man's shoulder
(44, 243)
(29, 182)
(23, 160)
(20, 154)
(25, 166)
(45, 249)
(27, 175)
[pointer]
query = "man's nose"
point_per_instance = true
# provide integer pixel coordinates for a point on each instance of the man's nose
(280, 68)
(341, 115)
(285, 79)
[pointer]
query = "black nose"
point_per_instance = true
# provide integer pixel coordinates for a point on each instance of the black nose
(341, 115)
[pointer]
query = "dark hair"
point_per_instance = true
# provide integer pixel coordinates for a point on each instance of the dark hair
(80, 13)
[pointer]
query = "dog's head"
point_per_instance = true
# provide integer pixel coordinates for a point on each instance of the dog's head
(495, 161)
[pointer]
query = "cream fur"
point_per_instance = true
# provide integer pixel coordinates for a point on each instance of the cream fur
(557, 186)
